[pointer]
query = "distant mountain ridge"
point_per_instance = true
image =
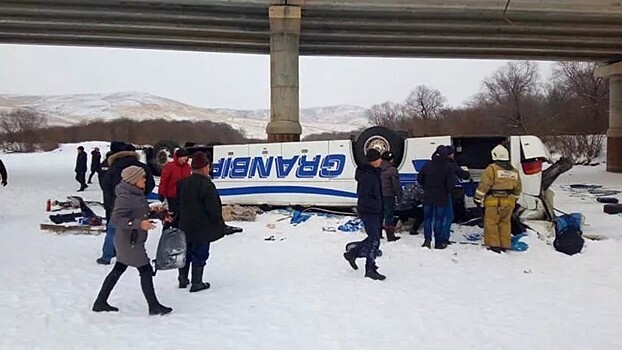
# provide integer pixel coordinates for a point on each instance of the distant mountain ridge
(66, 110)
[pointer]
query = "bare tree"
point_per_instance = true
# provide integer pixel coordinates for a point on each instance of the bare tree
(19, 126)
(425, 103)
(386, 114)
(511, 86)
(576, 80)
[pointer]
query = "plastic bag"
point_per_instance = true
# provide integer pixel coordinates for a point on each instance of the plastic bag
(171, 253)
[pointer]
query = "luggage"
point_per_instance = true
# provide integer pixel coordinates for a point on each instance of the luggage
(171, 253)
(568, 235)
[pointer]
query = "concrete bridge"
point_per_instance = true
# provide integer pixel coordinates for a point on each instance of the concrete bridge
(285, 29)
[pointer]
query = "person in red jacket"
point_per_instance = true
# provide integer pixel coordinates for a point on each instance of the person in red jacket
(173, 172)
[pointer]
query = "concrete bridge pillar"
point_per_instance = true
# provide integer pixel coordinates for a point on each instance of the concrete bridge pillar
(284, 125)
(614, 135)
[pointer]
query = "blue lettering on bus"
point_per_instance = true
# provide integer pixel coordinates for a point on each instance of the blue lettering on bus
(303, 167)
(333, 165)
(239, 167)
(258, 167)
(307, 169)
(284, 166)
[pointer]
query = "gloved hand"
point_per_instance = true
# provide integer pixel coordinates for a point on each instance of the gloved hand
(5, 182)
(161, 198)
(478, 202)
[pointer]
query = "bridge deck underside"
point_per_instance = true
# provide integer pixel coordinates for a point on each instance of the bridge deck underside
(243, 27)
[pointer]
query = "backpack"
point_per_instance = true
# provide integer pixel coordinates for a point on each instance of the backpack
(568, 233)
(171, 253)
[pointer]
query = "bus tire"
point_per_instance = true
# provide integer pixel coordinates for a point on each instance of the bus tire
(381, 138)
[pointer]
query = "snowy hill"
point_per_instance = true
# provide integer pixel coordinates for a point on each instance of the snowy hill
(67, 110)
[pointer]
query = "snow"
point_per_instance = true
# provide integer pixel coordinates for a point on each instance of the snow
(298, 292)
(65, 110)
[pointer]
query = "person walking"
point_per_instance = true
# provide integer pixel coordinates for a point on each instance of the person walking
(391, 191)
(200, 217)
(81, 169)
(437, 183)
(4, 175)
(130, 218)
(371, 212)
(95, 163)
(498, 190)
(117, 162)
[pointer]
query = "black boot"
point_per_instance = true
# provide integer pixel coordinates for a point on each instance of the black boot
(101, 303)
(391, 234)
(197, 280)
(374, 274)
(440, 245)
(350, 256)
(495, 249)
(183, 277)
(146, 284)
(427, 244)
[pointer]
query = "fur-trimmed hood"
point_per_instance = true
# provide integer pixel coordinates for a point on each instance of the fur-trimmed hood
(113, 158)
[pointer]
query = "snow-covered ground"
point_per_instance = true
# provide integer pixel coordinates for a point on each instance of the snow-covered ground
(299, 293)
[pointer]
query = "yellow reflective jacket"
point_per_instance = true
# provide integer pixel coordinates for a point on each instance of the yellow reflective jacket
(499, 177)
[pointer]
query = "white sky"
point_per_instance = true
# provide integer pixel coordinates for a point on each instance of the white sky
(232, 80)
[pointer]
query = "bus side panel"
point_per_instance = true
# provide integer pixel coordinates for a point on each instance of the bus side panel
(417, 152)
(302, 173)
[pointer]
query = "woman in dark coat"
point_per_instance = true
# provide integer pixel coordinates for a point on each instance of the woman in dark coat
(129, 217)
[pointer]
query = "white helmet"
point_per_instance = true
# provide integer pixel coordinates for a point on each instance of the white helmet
(500, 153)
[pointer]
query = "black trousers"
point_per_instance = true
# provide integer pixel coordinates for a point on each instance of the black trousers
(81, 178)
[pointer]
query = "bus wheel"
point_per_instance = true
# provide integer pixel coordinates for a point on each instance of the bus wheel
(380, 138)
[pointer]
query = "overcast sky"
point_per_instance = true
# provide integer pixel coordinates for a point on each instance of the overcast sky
(232, 80)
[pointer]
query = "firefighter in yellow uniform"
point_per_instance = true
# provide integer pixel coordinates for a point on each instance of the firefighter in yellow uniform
(498, 191)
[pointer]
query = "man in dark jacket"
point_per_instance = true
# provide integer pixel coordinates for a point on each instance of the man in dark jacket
(391, 191)
(437, 183)
(119, 161)
(96, 158)
(200, 217)
(115, 147)
(81, 169)
(370, 210)
(456, 196)
(3, 174)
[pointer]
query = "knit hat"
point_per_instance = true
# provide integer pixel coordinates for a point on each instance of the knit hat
(81, 148)
(132, 174)
(388, 155)
(372, 155)
(182, 152)
(199, 160)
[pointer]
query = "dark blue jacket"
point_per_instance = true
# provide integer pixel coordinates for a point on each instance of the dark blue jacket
(112, 177)
(437, 179)
(81, 162)
(368, 190)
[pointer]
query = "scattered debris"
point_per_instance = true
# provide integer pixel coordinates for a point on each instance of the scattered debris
(607, 200)
(73, 229)
(612, 208)
(239, 213)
